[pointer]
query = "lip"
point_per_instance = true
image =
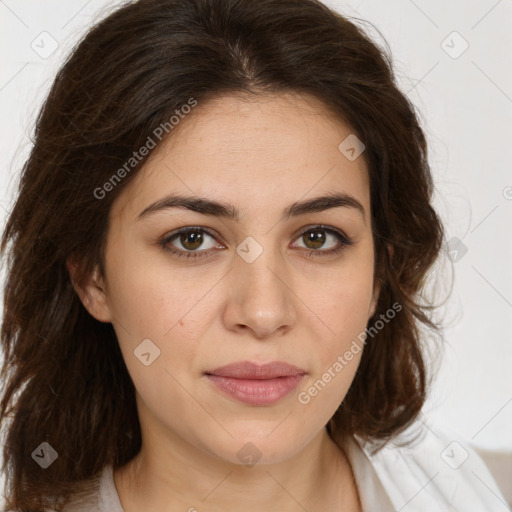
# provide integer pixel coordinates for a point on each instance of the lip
(256, 384)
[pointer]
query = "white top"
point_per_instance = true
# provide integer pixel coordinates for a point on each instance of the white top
(437, 472)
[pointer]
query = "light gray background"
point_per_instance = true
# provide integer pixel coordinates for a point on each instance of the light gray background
(465, 101)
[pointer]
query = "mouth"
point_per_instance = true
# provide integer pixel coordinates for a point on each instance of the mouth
(254, 384)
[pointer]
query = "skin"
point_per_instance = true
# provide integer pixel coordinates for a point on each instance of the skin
(260, 155)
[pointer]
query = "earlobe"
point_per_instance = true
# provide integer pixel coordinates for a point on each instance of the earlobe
(375, 300)
(91, 293)
(390, 251)
(377, 285)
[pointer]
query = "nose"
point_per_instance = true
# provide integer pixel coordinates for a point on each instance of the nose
(261, 299)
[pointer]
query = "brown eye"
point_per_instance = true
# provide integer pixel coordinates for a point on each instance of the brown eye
(314, 239)
(191, 240)
(323, 241)
(322, 238)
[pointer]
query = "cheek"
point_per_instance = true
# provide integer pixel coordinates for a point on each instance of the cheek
(324, 391)
(341, 306)
(342, 303)
(146, 296)
(337, 359)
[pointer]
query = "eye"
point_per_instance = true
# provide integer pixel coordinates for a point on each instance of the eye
(322, 241)
(186, 242)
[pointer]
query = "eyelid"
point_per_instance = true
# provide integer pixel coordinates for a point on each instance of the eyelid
(187, 229)
(324, 227)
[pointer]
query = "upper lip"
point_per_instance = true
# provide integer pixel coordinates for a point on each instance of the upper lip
(249, 370)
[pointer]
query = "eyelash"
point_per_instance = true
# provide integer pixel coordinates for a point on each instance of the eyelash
(167, 246)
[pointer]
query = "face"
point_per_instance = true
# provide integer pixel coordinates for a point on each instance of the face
(259, 277)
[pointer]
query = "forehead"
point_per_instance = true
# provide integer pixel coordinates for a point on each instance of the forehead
(260, 152)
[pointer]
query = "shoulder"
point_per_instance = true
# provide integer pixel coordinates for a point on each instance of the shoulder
(430, 468)
(88, 500)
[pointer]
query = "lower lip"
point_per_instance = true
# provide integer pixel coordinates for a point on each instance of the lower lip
(254, 391)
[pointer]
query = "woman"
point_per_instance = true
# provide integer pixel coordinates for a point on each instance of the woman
(215, 261)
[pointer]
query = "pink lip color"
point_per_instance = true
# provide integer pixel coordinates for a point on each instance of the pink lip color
(257, 384)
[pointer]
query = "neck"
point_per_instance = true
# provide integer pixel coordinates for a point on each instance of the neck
(184, 478)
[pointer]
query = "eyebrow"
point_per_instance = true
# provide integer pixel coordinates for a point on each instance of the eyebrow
(228, 211)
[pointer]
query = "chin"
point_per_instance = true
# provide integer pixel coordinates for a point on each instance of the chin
(249, 447)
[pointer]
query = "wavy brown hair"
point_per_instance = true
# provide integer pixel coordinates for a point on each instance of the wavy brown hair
(64, 378)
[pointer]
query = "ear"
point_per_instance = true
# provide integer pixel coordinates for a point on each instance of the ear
(375, 299)
(91, 293)
(377, 286)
